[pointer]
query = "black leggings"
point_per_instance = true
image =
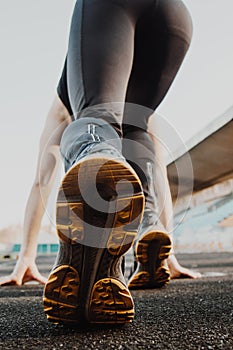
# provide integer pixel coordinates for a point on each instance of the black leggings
(123, 51)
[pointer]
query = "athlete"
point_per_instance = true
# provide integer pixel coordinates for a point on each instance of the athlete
(120, 54)
(47, 165)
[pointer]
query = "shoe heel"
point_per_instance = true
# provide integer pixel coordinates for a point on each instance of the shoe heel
(110, 303)
(151, 251)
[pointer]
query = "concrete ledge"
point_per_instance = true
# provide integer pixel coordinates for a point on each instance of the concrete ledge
(211, 153)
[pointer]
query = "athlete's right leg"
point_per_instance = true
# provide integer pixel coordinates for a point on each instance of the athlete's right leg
(100, 201)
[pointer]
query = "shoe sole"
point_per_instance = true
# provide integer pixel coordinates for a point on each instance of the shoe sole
(151, 251)
(86, 283)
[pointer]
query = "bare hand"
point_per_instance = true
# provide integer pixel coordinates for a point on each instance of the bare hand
(25, 270)
(178, 271)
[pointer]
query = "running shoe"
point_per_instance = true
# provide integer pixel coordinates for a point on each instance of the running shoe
(99, 209)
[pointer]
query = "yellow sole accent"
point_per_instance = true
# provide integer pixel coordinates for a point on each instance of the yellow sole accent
(151, 272)
(110, 303)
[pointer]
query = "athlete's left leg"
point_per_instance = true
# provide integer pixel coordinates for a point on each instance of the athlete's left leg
(162, 39)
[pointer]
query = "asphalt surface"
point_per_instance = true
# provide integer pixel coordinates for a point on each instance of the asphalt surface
(187, 314)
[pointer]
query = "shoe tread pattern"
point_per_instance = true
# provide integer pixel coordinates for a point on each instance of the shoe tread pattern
(61, 295)
(110, 303)
(151, 251)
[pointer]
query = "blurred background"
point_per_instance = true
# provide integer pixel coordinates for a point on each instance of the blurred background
(34, 37)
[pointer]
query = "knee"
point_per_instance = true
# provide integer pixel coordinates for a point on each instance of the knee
(186, 23)
(178, 19)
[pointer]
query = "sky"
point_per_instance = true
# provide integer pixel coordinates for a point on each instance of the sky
(34, 36)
